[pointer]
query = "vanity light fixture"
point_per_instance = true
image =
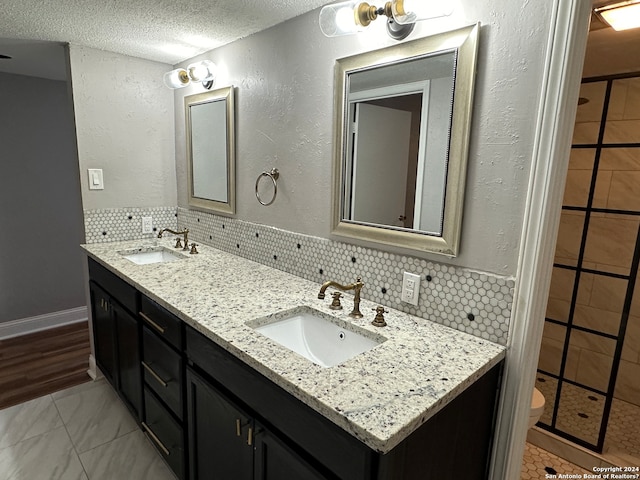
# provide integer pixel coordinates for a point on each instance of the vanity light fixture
(353, 16)
(203, 72)
(620, 15)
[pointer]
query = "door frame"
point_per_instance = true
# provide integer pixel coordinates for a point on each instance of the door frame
(564, 60)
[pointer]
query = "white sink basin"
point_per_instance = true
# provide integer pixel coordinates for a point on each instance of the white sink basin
(321, 338)
(151, 255)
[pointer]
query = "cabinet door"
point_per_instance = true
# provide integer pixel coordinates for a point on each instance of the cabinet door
(220, 434)
(104, 334)
(128, 348)
(273, 460)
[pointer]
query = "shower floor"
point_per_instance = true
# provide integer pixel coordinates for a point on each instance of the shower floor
(623, 432)
(538, 463)
(580, 413)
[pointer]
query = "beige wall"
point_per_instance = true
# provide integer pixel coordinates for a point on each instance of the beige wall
(609, 247)
(124, 125)
(285, 118)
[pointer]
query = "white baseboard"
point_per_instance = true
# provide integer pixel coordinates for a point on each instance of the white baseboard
(24, 326)
(93, 370)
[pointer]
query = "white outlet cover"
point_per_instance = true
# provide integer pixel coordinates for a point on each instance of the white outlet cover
(147, 224)
(410, 288)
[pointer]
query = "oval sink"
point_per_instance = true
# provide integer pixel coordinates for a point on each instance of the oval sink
(151, 255)
(325, 340)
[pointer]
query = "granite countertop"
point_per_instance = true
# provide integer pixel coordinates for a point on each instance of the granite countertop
(380, 396)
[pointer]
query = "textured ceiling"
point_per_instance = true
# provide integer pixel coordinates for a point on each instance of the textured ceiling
(167, 31)
(170, 31)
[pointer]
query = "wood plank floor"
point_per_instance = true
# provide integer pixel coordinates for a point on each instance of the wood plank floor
(43, 362)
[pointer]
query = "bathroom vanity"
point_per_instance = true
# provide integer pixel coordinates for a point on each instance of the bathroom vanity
(220, 400)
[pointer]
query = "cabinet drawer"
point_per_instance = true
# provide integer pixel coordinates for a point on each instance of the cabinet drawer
(164, 323)
(162, 368)
(114, 285)
(165, 433)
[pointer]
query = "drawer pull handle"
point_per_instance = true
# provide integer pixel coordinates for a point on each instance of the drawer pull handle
(238, 432)
(154, 374)
(250, 437)
(152, 323)
(156, 439)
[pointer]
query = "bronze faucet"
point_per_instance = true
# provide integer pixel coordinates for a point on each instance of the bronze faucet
(356, 287)
(185, 232)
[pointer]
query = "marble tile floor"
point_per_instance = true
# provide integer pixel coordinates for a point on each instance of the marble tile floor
(538, 463)
(81, 433)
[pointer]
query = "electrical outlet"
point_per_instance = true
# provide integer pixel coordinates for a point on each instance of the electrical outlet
(147, 224)
(410, 288)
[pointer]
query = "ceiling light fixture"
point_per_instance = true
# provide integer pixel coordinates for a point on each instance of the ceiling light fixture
(621, 15)
(353, 16)
(202, 72)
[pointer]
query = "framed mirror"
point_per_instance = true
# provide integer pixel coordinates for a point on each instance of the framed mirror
(210, 140)
(401, 141)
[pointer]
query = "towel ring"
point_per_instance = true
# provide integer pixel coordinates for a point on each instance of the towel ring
(273, 175)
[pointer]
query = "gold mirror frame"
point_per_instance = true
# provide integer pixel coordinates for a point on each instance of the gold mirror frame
(464, 42)
(221, 94)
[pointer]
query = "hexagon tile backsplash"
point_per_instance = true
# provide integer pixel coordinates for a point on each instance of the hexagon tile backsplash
(473, 302)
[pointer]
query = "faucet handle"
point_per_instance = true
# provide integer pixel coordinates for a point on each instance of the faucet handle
(379, 321)
(178, 243)
(335, 304)
(193, 249)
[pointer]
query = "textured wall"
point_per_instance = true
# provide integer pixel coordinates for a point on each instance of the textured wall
(284, 119)
(124, 124)
(40, 200)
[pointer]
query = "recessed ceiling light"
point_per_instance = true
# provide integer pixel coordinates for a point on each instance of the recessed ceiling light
(621, 15)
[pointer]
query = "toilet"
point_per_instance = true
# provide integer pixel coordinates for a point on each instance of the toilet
(537, 407)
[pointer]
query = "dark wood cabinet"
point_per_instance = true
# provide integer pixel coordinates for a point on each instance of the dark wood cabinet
(163, 374)
(116, 333)
(213, 417)
(219, 434)
(165, 432)
(273, 459)
(104, 333)
(125, 348)
(227, 442)
(455, 443)
(128, 355)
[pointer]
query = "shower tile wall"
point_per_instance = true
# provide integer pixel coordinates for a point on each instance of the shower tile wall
(613, 219)
(589, 367)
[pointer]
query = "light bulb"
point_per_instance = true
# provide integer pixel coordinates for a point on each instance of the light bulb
(340, 19)
(411, 11)
(177, 78)
(202, 71)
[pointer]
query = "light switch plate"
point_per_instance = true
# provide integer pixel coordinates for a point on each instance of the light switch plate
(96, 181)
(410, 288)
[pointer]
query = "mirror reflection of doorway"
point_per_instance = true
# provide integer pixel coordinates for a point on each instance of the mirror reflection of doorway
(380, 164)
